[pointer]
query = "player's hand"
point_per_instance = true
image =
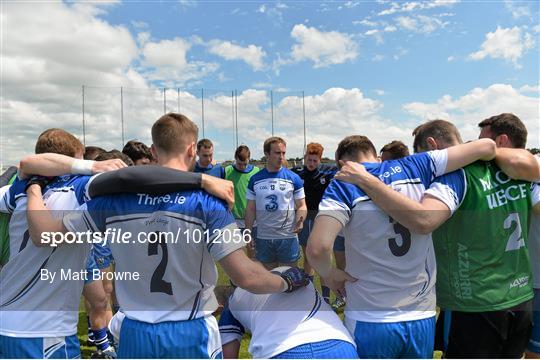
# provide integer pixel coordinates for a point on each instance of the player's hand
(351, 172)
(299, 225)
(295, 278)
(40, 182)
(223, 189)
(336, 280)
(107, 165)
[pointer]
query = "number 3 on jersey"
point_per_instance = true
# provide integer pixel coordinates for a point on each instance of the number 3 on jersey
(272, 204)
(404, 234)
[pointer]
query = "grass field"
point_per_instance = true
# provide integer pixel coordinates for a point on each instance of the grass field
(222, 280)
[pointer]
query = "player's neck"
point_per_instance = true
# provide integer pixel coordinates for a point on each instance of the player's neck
(367, 158)
(175, 163)
(273, 168)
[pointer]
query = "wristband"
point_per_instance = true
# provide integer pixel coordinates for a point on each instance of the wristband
(82, 167)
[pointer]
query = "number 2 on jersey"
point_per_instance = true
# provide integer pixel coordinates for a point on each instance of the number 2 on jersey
(157, 284)
(515, 241)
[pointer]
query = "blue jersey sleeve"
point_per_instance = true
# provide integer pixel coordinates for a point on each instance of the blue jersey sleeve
(230, 329)
(224, 237)
(81, 189)
(250, 192)
(449, 188)
(339, 199)
(426, 166)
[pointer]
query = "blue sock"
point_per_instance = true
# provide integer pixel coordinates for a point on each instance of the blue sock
(100, 338)
(90, 332)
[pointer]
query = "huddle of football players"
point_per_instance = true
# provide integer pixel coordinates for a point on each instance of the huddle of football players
(439, 250)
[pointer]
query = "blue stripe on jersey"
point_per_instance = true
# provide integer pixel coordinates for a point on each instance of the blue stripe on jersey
(31, 283)
(455, 181)
(228, 323)
(283, 173)
(316, 306)
(414, 169)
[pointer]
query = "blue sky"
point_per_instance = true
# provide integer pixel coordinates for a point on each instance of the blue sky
(377, 68)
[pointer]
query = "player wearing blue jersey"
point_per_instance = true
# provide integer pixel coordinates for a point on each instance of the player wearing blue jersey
(284, 326)
(168, 309)
(38, 318)
(391, 308)
(276, 199)
(206, 164)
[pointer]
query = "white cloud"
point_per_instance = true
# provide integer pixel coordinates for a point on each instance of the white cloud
(529, 88)
(379, 92)
(323, 48)
(478, 104)
(505, 43)
(450, 58)
(516, 10)
(377, 57)
(251, 54)
(420, 23)
(376, 34)
(262, 9)
(365, 22)
(400, 7)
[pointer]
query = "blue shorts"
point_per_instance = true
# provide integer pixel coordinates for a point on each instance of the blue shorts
(405, 339)
(277, 250)
(339, 243)
(63, 347)
(90, 267)
(195, 339)
(328, 349)
(534, 341)
(102, 255)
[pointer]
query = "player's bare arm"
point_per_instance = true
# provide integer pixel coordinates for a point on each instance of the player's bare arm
(319, 252)
(40, 219)
(301, 214)
(253, 277)
(518, 164)
(464, 154)
(49, 164)
(250, 220)
(419, 217)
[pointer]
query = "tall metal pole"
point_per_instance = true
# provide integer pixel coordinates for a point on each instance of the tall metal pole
(272, 110)
(236, 114)
(164, 100)
(178, 97)
(122, 112)
(232, 114)
(202, 112)
(83, 122)
(304, 117)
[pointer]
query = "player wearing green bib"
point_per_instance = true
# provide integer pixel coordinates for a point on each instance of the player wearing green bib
(484, 276)
(239, 173)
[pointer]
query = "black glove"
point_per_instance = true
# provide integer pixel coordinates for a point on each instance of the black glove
(42, 181)
(295, 278)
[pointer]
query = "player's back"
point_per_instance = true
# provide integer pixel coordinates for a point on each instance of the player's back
(279, 322)
(173, 240)
(32, 303)
(395, 267)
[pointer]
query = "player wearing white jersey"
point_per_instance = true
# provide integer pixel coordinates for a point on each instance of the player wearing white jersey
(286, 326)
(533, 348)
(273, 195)
(168, 308)
(391, 308)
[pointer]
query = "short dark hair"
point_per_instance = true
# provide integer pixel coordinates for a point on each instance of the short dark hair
(204, 143)
(173, 133)
(354, 144)
(91, 152)
(114, 154)
(509, 125)
(397, 149)
(242, 153)
(272, 140)
(58, 141)
(137, 150)
(438, 129)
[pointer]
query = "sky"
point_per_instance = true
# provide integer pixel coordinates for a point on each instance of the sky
(375, 68)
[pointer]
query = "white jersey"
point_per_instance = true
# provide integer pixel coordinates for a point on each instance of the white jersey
(395, 268)
(279, 322)
(275, 194)
(534, 240)
(32, 304)
(171, 280)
